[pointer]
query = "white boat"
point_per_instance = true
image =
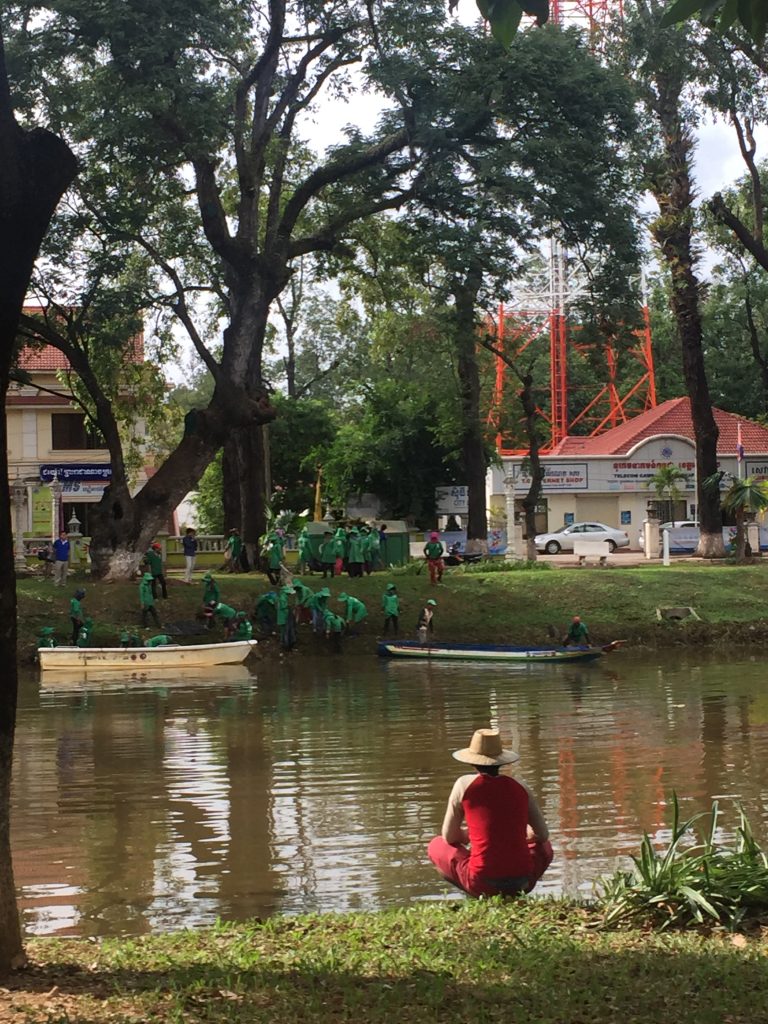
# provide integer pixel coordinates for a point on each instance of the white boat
(178, 656)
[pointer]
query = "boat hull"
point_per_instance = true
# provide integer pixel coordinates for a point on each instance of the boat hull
(176, 656)
(486, 652)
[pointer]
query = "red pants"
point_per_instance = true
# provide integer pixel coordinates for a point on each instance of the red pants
(338, 567)
(453, 864)
(436, 567)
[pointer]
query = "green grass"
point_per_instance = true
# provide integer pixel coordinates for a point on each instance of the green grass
(525, 606)
(483, 962)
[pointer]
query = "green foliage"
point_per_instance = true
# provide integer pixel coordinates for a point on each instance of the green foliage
(722, 14)
(690, 882)
(208, 499)
(504, 15)
(493, 565)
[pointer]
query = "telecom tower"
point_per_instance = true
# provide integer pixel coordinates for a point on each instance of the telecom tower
(534, 314)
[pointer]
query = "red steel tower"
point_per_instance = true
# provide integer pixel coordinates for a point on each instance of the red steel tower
(532, 315)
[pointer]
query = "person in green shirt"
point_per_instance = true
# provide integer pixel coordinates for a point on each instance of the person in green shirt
(334, 629)
(305, 551)
(265, 613)
(128, 638)
(339, 551)
(319, 606)
(243, 627)
(84, 636)
(577, 634)
(304, 595)
(232, 551)
(286, 623)
(76, 614)
(161, 640)
(433, 552)
(390, 602)
(210, 594)
(46, 637)
(355, 555)
(354, 612)
(154, 562)
(147, 600)
(274, 553)
(227, 614)
(327, 554)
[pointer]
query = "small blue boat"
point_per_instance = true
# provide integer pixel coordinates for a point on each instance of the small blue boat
(489, 652)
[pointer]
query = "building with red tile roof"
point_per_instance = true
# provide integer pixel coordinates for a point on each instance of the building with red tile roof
(608, 478)
(48, 435)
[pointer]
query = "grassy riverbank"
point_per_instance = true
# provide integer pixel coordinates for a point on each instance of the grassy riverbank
(483, 962)
(524, 606)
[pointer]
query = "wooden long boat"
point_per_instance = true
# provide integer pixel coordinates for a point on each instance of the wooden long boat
(488, 652)
(132, 658)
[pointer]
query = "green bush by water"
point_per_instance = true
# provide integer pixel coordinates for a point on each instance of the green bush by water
(690, 882)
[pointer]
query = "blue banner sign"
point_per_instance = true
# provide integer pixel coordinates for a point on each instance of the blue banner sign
(67, 471)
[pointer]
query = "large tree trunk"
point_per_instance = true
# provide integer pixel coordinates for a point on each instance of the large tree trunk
(124, 526)
(246, 485)
(672, 232)
(35, 170)
(533, 497)
(474, 456)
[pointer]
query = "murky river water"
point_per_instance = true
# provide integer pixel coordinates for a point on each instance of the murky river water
(316, 785)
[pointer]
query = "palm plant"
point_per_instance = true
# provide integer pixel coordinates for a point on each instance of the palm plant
(665, 483)
(742, 497)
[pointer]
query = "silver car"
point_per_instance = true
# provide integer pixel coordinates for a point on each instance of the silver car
(564, 538)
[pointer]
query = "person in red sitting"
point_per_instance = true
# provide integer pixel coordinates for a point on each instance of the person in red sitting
(495, 840)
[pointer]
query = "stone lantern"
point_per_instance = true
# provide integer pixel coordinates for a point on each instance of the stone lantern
(18, 497)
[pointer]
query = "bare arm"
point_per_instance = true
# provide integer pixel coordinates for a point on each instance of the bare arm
(454, 830)
(535, 817)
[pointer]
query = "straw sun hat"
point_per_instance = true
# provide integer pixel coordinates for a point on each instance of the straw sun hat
(485, 748)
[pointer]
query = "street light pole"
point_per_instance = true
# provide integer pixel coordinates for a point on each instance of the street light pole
(56, 490)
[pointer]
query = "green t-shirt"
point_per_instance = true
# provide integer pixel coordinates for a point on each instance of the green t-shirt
(75, 608)
(434, 549)
(154, 561)
(145, 594)
(391, 604)
(225, 611)
(578, 632)
(161, 640)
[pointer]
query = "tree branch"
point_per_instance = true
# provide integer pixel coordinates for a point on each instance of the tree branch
(753, 245)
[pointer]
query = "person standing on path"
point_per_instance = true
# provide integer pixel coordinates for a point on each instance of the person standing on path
(390, 602)
(339, 549)
(433, 552)
(232, 551)
(425, 622)
(154, 560)
(76, 614)
(61, 559)
(147, 599)
(355, 553)
(189, 544)
(494, 840)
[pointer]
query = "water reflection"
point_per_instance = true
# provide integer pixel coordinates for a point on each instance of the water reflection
(316, 785)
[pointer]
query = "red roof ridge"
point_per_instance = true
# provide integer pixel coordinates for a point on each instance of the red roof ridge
(670, 418)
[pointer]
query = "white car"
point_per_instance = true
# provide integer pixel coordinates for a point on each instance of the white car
(678, 524)
(563, 539)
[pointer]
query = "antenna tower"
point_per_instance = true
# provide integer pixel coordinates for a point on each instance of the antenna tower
(536, 314)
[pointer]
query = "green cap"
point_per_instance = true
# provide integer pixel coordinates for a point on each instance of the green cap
(47, 631)
(391, 586)
(323, 592)
(148, 576)
(342, 597)
(432, 602)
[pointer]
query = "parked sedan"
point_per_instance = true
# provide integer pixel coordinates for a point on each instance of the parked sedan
(679, 524)
(563, 539)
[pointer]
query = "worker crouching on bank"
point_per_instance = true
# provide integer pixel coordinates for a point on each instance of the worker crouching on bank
(494, 840)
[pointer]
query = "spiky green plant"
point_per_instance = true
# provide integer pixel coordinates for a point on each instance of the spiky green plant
(690, 882)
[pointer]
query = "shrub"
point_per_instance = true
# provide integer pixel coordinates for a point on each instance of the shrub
(690, 882)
